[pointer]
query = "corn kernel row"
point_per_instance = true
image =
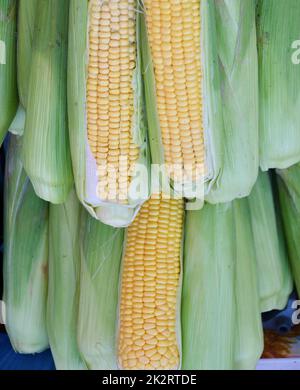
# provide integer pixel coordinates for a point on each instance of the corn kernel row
(110, 95)
(149, 286)
(174, 30)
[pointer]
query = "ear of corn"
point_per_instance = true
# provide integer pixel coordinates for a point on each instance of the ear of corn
(26, 22)
(274, 276)
(101, 252)
(248, 329)
(45, 152)
(25, 258)
(208, 297)
(63, 287)
(289, 195)
(278, 28)
(149, 309)
(106, 104)
(201, 89)
(170, 63)
(8, 80)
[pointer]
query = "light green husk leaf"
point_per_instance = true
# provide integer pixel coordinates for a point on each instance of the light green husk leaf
(274, 276)
(26, 23)
(85, 169)
(18, 124)
(289, 195)
(45, 153)
(8, 65)
(278, 30)
(237, 65)
(63, 289)
(208, 295)
(248, 328)
(221, 322)
(101, 252)
(230, 99)
(25, 257)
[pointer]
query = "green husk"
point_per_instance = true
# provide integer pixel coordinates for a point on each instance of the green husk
(63, 289)
(278, 29)
(25, 257)
(230, 100)
(18, 124)
(221, 322)
(274, 276)
(26, 23)
(45, 153)
(8, 66)
(101, 252)
(289, 196)
(83, 161)
(237, 65)
(249, 334)
(208, 295)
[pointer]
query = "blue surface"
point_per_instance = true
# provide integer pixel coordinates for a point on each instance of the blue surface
(280, 321)
(9, 360)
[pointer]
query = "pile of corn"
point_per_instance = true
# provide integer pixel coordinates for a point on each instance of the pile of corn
(142, 230)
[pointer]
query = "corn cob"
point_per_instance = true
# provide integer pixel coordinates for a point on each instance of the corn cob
(208, 294)
(63, 287)
(278, 30)
(289, 196)
(101, 252)
(249, 334)
(8, 80)
(25, 258)
(107, 125)
(201, 72)
(26, 23)
(149, 335)
(174, 29)
(274, 276)
(46, 154)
